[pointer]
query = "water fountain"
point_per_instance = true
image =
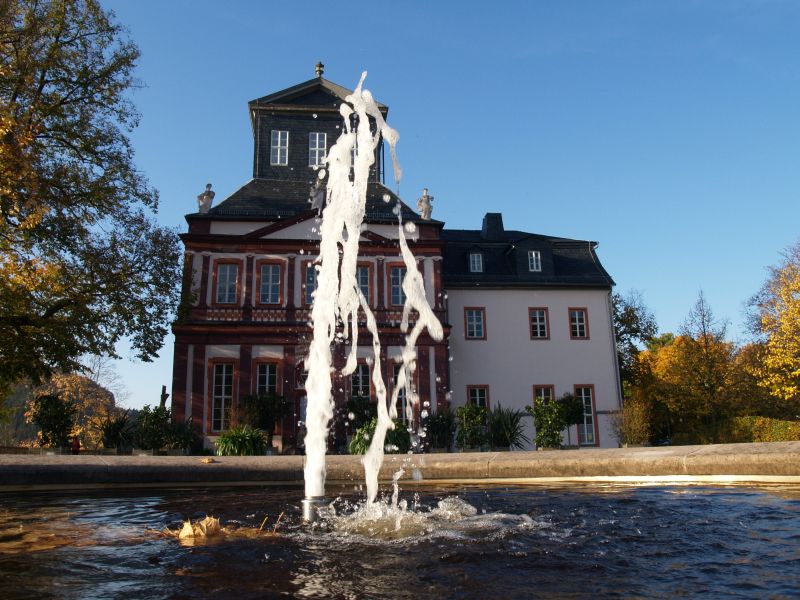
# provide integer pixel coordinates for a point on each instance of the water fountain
(338, 299)
(453, 541)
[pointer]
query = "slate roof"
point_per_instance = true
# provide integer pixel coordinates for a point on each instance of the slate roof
(270, 200)
(565, 262)
(289, 94)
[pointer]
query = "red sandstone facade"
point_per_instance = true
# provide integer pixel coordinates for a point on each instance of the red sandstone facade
(248, 276)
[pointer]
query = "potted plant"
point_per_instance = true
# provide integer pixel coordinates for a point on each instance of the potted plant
(505, 428)
(262, 411)
(398, 440)
(471, 422)
(548, 419)
(56, 419)
(242, 440)
(572, 412)
(114, 430)
(155, 433)
(440, 427)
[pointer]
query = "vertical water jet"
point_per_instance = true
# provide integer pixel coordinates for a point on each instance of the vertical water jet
(338, 299)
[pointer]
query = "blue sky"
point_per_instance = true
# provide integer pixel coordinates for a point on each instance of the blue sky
(666, 131)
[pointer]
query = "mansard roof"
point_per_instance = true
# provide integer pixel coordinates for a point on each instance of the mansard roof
(269, 199)
(314, 93)
(565, 262)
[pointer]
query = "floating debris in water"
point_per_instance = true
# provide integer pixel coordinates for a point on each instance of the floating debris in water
(209, 529)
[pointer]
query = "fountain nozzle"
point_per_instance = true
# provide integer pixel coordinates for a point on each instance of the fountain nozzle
(311, 508)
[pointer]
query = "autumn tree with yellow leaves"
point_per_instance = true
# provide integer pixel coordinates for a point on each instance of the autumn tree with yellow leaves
(692, 385)
(776, 318)
(82, 262)
(90, 401)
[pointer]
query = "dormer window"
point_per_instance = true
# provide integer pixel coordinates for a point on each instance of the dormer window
(475, 262)
(317, 147)
(534, 260)
(279, 148)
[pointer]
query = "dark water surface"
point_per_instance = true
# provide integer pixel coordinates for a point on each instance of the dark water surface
(499, 542)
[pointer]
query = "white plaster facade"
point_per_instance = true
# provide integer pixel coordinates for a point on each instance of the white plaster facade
(510, 363)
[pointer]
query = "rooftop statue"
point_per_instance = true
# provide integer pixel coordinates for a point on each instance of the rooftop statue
(424, 206)
(205, 199)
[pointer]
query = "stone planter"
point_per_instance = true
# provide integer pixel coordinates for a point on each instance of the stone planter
(144, 452)
(56, 451)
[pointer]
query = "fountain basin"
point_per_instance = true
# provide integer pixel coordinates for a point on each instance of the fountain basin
(777, 461)
(458, 542)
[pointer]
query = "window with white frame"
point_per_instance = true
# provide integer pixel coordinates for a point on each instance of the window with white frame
(267, 378)
(578, 324)
(360, 381)
(403, 411)
(270, 292)
(317, 146)
(279, 148)
(474, 322)
(397, 295)
(227, 279)
(534, 260)
(475, 262)
(544, 392)
(222, 397)
(478, 395)
(539, 321)
(586, 427)
(362, 276)
(310, 284)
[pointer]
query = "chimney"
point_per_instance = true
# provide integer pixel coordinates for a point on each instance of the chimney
(492, 226)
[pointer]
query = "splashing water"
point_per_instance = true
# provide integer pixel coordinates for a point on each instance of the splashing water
(338, 298)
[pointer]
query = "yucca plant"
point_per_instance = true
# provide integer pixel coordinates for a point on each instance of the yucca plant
(505, 428)
(242, 440)
(115, 430)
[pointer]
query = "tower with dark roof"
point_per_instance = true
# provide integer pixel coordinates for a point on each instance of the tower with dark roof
(249, 275)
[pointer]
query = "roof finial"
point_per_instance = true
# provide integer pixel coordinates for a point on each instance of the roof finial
(319, 68)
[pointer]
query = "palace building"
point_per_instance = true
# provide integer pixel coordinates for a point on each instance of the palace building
(524, 314)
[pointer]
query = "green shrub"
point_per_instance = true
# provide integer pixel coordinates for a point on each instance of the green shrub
(152, 428)
(363, 411)
(505, 428)
(114, 430)
(55, 417)
(440, 427)
(548, 418)
(764, 429)
(242, 440)
(572, 412)
(398, 440)
(262, 411)
(182, 435)
(471, 422)
(633, 424)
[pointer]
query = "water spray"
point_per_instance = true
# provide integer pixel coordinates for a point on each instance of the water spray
(338, 299)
